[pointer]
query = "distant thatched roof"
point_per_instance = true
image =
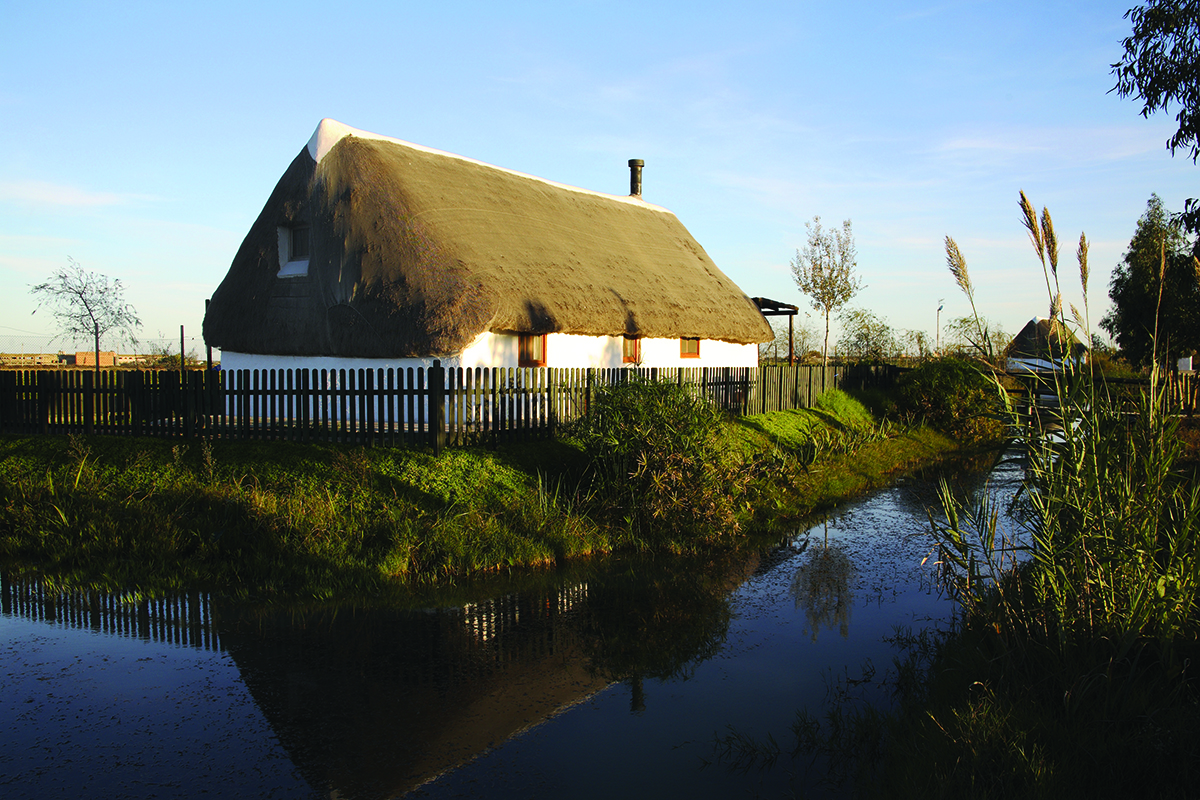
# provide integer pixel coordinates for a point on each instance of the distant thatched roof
(416, 252)
(1043, 338)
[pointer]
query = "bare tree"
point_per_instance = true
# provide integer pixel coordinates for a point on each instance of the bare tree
(824, 270)
(86, 303)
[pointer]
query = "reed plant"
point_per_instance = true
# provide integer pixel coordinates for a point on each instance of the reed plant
(1070, 671)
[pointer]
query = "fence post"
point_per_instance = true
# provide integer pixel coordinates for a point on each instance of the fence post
(133, 394)
(369, 391)
(437, 406)
(89, 402)
(188, 402)
(45, 390)
(587, 391)
(8, 397)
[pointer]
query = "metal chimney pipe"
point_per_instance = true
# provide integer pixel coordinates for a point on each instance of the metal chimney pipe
(635, 177)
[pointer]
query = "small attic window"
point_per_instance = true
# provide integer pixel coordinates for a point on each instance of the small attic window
(689, 348)
(293, 251)
(298, 251)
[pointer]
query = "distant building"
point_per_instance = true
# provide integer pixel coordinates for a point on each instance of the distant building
(87, 358)
(1043, 345)
(34, 360)
(80, 358)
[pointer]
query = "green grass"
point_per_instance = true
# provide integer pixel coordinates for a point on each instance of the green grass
(272, 519)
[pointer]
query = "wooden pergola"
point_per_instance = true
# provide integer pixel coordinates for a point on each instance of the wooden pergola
(774, 308)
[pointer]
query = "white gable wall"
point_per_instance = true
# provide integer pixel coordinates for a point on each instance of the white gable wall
(500, 350)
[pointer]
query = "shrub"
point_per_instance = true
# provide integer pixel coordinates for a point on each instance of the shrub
(660, 462)
(953, 395)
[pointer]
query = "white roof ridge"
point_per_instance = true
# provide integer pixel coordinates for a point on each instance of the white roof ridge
(329, 132)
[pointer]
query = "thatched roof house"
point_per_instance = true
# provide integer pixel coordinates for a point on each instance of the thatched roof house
(374, 248)
(1043, 344)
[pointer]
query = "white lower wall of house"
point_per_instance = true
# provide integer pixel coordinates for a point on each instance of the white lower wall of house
(235, 361)
(713, 353)
(500, 350)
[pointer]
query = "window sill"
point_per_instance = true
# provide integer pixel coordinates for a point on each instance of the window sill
(293, 269)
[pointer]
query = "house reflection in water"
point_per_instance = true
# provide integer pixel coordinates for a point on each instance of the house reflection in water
(373, 703)
(376, 702)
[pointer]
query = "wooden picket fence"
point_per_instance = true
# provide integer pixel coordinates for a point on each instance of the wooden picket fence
(185, 620)
(435, 405)
(1180, 390)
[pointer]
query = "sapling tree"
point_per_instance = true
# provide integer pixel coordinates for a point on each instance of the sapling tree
(824, 270)
(88, 304)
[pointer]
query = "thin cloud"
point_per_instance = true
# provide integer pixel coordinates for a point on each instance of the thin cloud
(54, 194)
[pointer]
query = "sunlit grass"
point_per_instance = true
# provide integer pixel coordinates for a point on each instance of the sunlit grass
(270, 519)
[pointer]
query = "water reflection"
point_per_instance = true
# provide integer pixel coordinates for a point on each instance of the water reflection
(184, 620)
(823, 588)
(374, 702)
(526, 678)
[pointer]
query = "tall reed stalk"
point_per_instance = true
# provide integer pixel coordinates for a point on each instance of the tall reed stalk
(1108, 553)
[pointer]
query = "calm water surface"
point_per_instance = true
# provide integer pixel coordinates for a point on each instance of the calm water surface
(610, 678)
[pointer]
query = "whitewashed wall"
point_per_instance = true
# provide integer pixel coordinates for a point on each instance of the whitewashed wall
(500, 350)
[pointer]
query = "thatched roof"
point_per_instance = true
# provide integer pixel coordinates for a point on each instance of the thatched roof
(1043, 338)
(415, 252)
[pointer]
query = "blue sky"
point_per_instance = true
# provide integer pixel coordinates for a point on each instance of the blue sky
(143, 139)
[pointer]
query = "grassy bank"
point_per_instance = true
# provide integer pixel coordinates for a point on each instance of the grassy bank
(281, 519)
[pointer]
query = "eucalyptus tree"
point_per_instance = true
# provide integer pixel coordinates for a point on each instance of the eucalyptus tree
(1161, 67)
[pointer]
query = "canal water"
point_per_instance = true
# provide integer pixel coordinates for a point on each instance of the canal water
(612, 677)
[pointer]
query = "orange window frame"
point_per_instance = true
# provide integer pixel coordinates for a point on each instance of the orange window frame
(631, 350)
(689, 348)
(531, 350)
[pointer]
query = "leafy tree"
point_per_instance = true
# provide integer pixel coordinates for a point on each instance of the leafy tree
(824, 270)
(661, 464)
(1154, 288)
(88, 304)
(954, 395)
(161, 357)
(804, 338)
(971, 336)
(866, 335)
(1161, 66)
(916, 343)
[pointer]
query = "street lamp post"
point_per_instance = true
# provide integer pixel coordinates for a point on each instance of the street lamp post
(937, 331)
